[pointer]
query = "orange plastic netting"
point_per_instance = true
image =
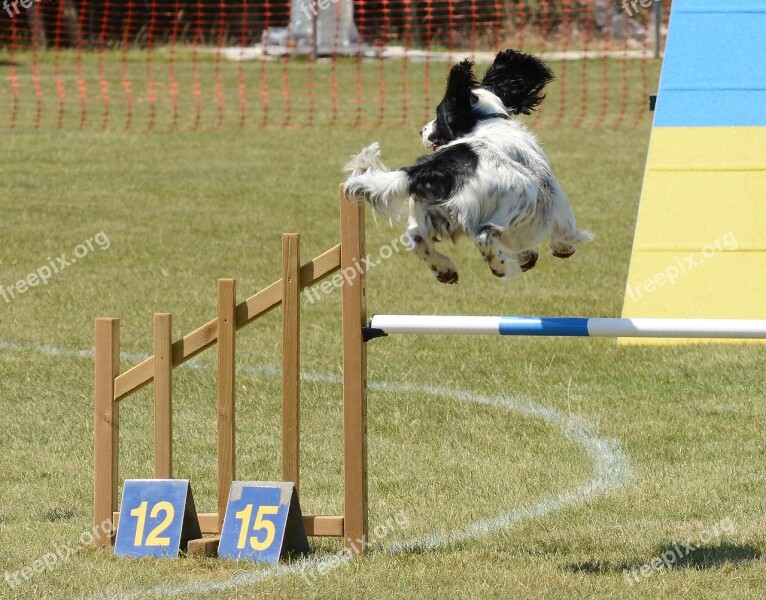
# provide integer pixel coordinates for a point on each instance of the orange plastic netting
(167, 65)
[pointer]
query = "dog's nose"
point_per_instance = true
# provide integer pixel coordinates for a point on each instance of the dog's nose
(422, 129)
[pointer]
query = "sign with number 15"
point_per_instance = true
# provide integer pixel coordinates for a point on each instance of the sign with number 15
(263, 522)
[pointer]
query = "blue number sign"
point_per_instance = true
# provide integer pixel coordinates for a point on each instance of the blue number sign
(157, 518)
(263, 522)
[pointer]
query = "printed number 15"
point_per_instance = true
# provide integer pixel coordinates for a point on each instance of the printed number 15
(260, 524)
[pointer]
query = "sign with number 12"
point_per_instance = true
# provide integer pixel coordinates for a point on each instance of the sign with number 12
(157, 518)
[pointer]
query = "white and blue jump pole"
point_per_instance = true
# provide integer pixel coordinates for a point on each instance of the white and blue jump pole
(382, 325)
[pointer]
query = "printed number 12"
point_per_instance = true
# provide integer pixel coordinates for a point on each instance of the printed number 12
(260, 524)
(152, 539)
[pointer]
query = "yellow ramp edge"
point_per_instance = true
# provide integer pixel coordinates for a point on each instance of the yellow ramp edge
(699, 249)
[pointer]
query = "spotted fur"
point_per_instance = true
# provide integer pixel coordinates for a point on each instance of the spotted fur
(487, 178)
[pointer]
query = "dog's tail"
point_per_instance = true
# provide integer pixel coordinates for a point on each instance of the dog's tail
(367, 160)
(575, 238)
(370, 180)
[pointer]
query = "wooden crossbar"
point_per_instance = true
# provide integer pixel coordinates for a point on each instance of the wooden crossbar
(206, 336)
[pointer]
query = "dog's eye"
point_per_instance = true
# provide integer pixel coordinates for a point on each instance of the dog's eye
(474, 99)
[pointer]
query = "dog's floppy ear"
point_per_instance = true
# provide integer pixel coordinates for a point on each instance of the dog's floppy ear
(518, 80)
(460, 82)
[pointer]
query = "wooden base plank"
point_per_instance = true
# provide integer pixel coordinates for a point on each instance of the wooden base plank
(203, 548)
(316, 525)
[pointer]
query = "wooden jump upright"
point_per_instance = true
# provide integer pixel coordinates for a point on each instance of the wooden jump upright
(352, 253)
(111, 387)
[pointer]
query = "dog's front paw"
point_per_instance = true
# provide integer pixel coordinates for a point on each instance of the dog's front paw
(449, 276)
(442, 267)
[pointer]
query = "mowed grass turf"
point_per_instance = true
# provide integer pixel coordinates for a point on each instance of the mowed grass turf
(181, 210)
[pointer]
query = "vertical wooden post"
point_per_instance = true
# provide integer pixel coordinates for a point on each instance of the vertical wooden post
(106, 428)
(291, 348)
(354, 375)
(227, 300)
(163, 396)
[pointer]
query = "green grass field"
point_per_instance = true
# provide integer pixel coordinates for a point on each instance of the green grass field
(550, 465)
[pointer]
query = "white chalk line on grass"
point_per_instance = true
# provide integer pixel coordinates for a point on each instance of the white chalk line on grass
(612, 469)
(53, 351)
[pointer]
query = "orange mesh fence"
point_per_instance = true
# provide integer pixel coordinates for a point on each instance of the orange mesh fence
(168, 65)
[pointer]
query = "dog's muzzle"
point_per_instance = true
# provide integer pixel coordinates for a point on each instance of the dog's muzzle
(425, 135)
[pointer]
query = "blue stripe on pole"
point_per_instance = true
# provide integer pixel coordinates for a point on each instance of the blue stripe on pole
(544, 326)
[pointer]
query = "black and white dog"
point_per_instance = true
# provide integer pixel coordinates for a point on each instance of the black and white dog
(487, 177)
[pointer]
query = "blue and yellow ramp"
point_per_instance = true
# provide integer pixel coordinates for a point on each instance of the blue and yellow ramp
(700, 243)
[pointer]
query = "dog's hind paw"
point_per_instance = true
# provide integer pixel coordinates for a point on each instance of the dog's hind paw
(448, 276)
(563, 253)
